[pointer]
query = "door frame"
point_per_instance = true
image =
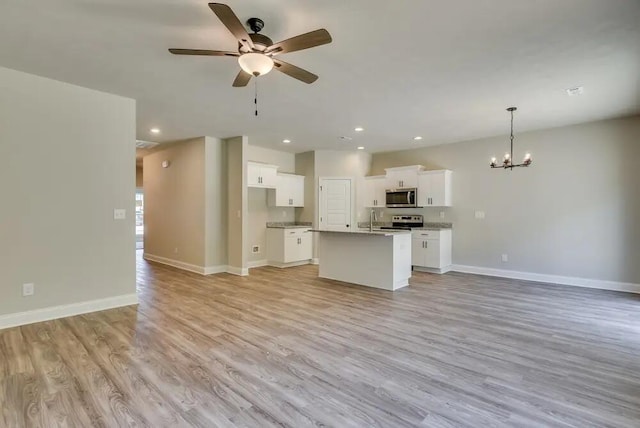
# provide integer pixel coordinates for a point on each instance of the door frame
(352, 196)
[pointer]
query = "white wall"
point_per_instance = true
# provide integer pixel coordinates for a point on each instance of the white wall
(259, 213)
(69, 160)
(573, 213)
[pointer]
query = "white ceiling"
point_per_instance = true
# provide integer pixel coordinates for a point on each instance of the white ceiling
(445, 70)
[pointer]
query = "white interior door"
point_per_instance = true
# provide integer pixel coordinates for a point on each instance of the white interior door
(335, 204)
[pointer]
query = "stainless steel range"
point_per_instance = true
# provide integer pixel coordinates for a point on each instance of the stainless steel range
(405, 222)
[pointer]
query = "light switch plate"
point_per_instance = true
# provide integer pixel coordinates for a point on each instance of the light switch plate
(28, 289)
(119, 214)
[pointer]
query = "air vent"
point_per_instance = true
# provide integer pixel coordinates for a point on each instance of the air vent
(140, 144)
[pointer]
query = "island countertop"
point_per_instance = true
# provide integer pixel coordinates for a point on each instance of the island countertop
(374, 232)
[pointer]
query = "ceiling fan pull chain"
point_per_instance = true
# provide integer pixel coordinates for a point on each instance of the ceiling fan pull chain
(255, 100)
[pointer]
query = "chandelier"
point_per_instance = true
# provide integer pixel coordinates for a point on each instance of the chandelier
(507, 160)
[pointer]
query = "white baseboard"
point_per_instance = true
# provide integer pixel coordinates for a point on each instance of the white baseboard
(237, 271)
(439, 271)
(257, 263)
(290, 264)
(175, 263)
(62, 311)
(202, 270)
(552, 279)
(315, 261)
(210, 270)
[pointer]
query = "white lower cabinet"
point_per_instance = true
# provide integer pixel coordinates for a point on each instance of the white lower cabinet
(431, 250)
(289, 246)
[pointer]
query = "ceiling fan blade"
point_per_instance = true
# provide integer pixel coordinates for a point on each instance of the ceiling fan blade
(233, 24)
(295, 72)
(242, 79)
(303, 41)
(202, 52)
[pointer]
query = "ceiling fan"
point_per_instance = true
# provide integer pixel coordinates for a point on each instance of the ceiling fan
(257, 52)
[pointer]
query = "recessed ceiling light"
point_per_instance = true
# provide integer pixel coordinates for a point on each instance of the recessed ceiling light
(418, 138)
(155, 130)
(578, 90)
(286, 141)
(360, 148)
(359, 129)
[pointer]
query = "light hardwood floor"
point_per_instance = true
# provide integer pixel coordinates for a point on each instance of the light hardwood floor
(282, 347)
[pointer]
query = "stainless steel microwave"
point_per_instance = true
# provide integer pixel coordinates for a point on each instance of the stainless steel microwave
(402, 198)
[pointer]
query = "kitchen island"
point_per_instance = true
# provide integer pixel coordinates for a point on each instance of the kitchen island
(379, 258)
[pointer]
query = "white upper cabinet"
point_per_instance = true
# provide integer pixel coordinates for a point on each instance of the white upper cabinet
(288, 192)
(434, 188)
(374, 192)
(402, 177)
(261, 175)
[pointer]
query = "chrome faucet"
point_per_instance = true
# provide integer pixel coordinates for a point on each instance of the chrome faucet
(372, 217)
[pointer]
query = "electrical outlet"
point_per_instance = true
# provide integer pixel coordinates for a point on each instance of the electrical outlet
(119, 214)
(175, 250)
(255, 249)
(284, 214)
(28, 289)
(441, 214)
(505, 258)
(479, 215)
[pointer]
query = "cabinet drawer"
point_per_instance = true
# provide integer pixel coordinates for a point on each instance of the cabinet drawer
(298, 231)
(425, 234)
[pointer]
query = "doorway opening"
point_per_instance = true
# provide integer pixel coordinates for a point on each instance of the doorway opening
(139, 219)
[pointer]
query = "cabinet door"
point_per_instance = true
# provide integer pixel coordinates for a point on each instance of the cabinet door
(424, 190)
(306, 246)
(379, 192)
(434, 189)
(437, 194)
(368, 191)
(417, 252)
(296, 187)
(394, 180)
(291, 247)
(283, 190)
(253, 175)
(269, 176)
(432, 253)
(409, 178)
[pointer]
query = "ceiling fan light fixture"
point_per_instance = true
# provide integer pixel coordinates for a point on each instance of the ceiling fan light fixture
(256, 64)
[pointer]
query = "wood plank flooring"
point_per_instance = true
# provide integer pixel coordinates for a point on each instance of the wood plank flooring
(284, 348)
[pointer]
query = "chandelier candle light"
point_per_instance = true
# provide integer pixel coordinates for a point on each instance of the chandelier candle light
(507, 161)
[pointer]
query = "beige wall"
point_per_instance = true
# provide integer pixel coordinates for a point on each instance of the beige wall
(216, 202)
(574, 212)
(285, 160)
(56, 221)
(139, 176)
(237, 213)
(175, 202)
(259, 213)
(305, 165)
(334, 163)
